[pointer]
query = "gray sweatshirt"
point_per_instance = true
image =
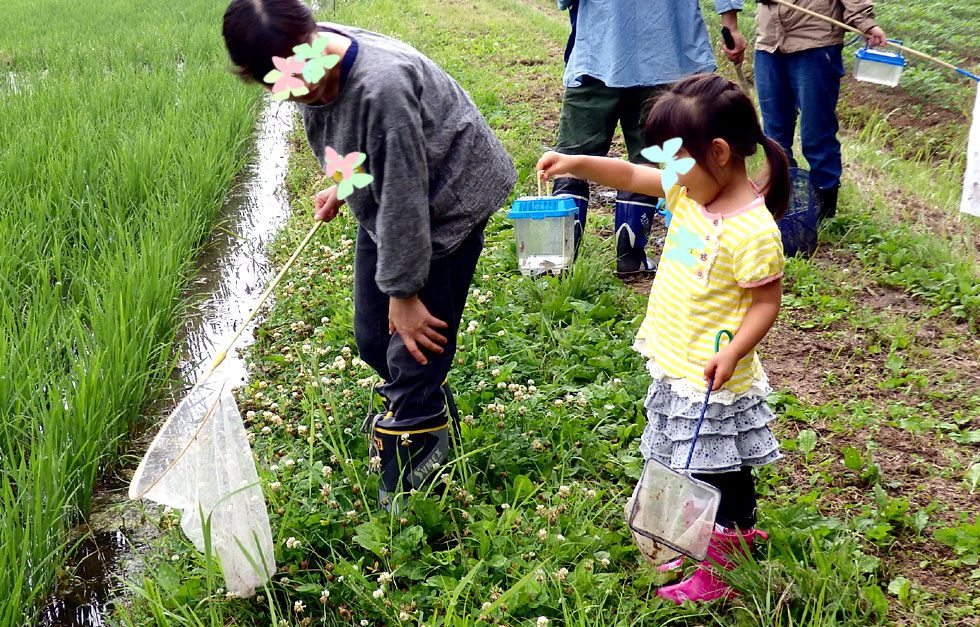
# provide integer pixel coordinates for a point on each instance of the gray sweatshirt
(439, 171)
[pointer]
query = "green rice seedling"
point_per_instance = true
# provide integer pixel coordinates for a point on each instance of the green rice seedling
(118, 148)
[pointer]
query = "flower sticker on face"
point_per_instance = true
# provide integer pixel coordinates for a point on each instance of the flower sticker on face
(346, 171)
(285, 82)
(672, 166)
(317, 62)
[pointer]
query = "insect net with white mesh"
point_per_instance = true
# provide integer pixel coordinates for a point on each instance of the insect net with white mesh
(201, 464)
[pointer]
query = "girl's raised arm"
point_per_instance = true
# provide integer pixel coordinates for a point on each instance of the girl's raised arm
(614, 173)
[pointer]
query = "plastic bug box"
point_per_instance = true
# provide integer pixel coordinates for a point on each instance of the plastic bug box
(878, 66)
(544, 227)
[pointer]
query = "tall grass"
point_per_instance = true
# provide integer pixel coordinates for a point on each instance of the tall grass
(120, 133)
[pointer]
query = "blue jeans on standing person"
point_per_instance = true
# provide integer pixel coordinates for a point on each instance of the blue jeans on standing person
(805, 83)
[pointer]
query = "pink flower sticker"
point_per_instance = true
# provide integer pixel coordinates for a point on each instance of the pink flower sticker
(284, 78)
(333, 162)
(349, 169)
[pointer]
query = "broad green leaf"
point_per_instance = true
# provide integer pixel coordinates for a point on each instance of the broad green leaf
(900, 587)
(972, 477)
(807, 440)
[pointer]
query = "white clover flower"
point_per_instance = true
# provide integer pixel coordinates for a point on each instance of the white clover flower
(542, 621)
(559, 402)
(604, 562)
(501, 333)
(404, 616)
(590, 493)
(377, 594)
(274, 486)
(486, 606)
(327, 471)
(298, 607)
(384, 578)
(495, 372)
(302, 429)
(292, 543)
(562, 574)
(324, 595)
(542, 534)
(504, 505)
(559, 538)
(352, 514)
(375, 463)
(288, 463)
(564, 491)
(250, 415)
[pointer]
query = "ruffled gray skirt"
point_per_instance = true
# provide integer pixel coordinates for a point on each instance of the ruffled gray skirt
(731, 436)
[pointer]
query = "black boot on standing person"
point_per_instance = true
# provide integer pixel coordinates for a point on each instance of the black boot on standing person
(407, 453)
(828, 202)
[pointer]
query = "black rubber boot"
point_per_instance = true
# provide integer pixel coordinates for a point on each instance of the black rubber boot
(577, 190)
(634, 215)
(407, 453)
(828, 202)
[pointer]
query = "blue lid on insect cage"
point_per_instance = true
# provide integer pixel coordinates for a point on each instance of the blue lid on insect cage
(878, 56)
(539, 207)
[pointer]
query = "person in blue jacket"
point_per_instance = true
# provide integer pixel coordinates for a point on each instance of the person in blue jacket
(620, 55)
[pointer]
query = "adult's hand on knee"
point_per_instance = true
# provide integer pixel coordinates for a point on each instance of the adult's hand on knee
(416, 326)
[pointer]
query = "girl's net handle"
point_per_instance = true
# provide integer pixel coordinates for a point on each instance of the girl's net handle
(707, 395)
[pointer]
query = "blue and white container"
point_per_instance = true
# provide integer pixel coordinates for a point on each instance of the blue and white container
(878, 66)
(544, 227)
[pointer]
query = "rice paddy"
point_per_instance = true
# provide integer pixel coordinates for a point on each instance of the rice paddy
(119, 135)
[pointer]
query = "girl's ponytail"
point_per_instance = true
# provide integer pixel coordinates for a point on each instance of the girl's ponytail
(777, 188)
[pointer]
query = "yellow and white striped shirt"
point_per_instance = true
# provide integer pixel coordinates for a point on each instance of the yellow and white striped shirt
(703, 284)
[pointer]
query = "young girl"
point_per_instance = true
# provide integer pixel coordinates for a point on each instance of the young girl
(721, 268)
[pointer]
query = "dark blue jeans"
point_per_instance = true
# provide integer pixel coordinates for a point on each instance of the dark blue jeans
(413, 391)
(805, 83)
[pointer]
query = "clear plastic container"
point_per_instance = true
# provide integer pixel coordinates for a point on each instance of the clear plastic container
(878, 66)
(544, 227)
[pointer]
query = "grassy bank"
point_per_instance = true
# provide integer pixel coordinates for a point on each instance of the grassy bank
(121, 133)
(871, 515)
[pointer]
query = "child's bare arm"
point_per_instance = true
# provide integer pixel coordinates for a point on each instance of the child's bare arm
(758, 320)
(614, 173)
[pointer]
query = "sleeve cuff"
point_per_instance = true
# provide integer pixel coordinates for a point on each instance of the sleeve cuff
(760, 283)
(724, 6)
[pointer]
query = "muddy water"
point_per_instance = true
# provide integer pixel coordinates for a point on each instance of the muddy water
(233, 271)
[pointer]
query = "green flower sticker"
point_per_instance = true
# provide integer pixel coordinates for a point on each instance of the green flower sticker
(317, 62)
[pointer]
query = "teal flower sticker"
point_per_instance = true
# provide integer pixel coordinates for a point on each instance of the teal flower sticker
(668, 156)
(681, 242)
(317, 62)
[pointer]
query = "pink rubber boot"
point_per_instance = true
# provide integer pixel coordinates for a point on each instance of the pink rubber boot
(704, 585)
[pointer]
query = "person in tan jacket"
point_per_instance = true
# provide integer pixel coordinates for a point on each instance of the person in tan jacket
(798, 67)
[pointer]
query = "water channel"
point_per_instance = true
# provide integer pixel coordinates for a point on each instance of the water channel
(232, 273)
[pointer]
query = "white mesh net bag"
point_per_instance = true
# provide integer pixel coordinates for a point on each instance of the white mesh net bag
(201, 463)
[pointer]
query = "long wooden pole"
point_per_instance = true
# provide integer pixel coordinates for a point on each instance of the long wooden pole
(911, 51)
